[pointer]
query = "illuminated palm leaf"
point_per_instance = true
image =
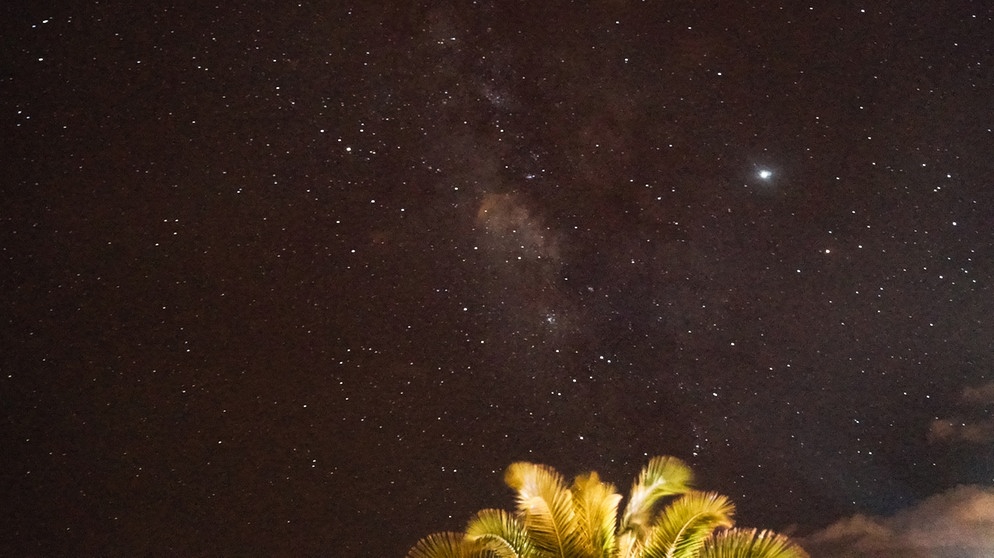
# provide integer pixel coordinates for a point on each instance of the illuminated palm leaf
(750, 543)
(596, 507)
(629, 546)
(546, 508)
(662, 477)
(440, 545)
(581, 521)
(500, 533)
(683, 527)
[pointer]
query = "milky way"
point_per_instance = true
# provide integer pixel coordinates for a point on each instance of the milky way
(304, 279)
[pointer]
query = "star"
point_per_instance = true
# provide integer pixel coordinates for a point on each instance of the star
(473, 232)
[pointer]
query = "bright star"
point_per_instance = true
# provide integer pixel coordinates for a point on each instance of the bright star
(765, 174)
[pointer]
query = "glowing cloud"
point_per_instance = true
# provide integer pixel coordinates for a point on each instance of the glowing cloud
(958, 523)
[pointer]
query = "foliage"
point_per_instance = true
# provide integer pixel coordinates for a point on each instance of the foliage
(556, 520)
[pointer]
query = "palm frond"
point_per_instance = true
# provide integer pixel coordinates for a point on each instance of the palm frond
(440, 545)
(596, 507)
(500, 533)
(684, 525)
(751, 543)
(546, 508)
(628, 545)
(662, 477)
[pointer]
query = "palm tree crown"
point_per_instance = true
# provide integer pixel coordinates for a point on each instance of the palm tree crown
(556, 520)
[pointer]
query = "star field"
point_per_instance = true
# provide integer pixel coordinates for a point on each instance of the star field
(303, 279)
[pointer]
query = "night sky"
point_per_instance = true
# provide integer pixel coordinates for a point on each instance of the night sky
(304, 278)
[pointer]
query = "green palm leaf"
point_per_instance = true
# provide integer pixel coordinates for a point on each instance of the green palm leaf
(662, 477)
(500, 533)
(546, 508)
(750, 543)
(440, 545)
(596, 506)
(685, 524)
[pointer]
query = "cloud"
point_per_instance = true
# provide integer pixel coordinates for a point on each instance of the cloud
(980, 395)
(958, 523)
(958, 429)
(955, 429)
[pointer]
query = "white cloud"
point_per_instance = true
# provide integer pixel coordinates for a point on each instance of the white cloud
(958, 523)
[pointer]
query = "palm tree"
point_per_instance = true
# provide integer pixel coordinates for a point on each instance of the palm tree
(554, 520)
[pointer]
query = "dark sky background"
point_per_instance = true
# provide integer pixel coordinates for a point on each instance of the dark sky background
(303, 278)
